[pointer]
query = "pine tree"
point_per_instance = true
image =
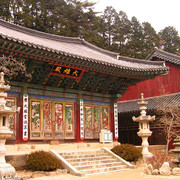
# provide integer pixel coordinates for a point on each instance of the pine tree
(5, 10)
(136, 39)
(121, 33)
(171, 38)
(109, 18)
(151, 39)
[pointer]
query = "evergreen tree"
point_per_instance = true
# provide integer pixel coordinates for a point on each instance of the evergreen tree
(5, 10)
(109, 18)
(151, 39)
(171, 39)
(121, 33)
(136, 40)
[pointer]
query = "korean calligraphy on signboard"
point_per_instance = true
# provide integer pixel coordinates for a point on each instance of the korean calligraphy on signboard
(25, 117)
(81, 119)
(116, 120)
(65, 71)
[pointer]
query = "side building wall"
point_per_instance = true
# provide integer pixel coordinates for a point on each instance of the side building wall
(161, 85)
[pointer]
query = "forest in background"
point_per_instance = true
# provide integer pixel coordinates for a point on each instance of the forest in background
(110, 30)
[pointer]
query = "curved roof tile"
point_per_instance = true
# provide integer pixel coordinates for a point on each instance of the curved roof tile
(153, 103)
(165, 56)
(79, 48)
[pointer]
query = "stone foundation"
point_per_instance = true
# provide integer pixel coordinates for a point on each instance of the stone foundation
(17, 154)
(158, 149)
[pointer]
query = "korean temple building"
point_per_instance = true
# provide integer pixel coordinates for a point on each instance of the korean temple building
(74, 88)
(160, 92)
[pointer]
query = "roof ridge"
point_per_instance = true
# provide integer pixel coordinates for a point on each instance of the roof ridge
(162, 63)
(39, 33)
(111, 53)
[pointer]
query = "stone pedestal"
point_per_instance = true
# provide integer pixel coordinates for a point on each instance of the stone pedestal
(6, 170)
(145, 152)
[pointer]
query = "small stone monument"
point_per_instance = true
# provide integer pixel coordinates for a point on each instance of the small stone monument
(144, 131)
(6, 170)
(176, 150)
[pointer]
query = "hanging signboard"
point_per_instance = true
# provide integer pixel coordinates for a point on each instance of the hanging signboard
(66, 71)
(81, 119)
(116, 121)
(25, 117)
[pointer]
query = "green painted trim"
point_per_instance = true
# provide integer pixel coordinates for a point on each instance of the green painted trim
(55, 89)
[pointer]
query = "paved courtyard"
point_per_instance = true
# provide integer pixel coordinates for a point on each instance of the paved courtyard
(132, 174)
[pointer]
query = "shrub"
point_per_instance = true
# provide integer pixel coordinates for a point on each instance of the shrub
(42, 161)
(127, 151)
(157, 160)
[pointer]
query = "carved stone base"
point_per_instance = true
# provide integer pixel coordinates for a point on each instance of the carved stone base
(7, 171)
(146, 156)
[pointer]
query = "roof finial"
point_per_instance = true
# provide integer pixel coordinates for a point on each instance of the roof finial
(142, 96)
(2, 79)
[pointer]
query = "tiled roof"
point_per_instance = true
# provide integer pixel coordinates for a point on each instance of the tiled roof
(153, 103)
(75, 47)
(165, 56)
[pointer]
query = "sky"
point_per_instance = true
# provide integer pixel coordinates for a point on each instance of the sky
(159, 13)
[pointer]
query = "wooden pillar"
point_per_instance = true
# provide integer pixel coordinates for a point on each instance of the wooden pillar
(112, 119)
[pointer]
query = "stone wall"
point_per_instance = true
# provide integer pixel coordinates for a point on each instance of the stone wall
(17, 161)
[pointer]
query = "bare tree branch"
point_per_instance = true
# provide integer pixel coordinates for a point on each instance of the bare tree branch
(11, 67)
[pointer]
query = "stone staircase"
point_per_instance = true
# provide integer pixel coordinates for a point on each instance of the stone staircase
(94, 162)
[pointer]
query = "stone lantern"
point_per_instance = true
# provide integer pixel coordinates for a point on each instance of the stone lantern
(144, 131)
(6, 170)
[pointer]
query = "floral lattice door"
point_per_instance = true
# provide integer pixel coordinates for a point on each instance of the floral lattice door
(88, 130)
(35, 116)
(95, 118)
(69, 121)
(11, 102)
(51, 120)
(59, 124)
(47, 120)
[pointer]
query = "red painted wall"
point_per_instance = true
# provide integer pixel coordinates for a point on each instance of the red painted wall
(161, 85)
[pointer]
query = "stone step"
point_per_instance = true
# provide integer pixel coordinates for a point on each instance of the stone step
(105, 172)
(104, 169)
(82, 152)
(84, 155)
(95, 166)
(93, 162)
(88, 159)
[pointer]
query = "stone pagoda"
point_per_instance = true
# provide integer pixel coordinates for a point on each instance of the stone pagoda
(6, 170)
(144, 130)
